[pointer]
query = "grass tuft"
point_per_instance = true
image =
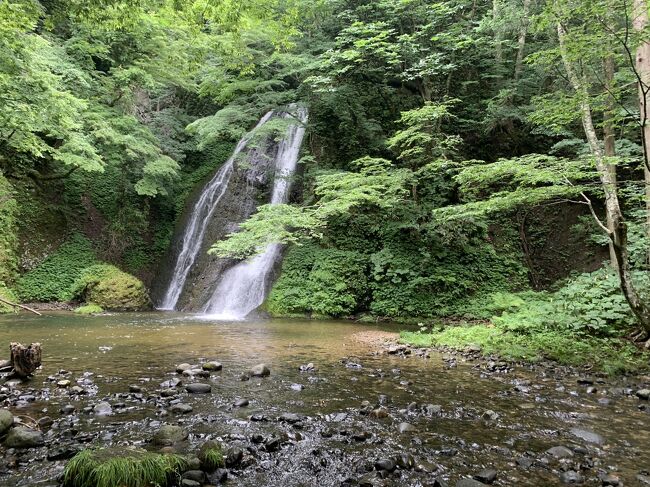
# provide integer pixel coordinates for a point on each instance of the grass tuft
(123, 468)
(211, 456)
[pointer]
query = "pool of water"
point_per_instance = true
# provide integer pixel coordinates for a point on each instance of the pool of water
(484, 420)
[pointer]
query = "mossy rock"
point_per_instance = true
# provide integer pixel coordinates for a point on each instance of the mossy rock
(110, 288)
(124, 467)
(89, 309)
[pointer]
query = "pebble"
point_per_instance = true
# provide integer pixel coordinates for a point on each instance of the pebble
(198, 388)
(180, 368)
(560, 452)
(240, 403)
(469, 483)
(212, 366)
(260, 370)
(406, 428)
(643, 394)
(588, 436)
(571, 477)
(181, 408)
(487, 476)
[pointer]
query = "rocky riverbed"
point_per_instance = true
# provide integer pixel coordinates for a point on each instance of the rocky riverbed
(313, 403)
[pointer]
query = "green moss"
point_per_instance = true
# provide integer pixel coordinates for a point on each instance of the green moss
(122, 467)
(110, 288)
(89, 309)
(211, 456)
(54, 278)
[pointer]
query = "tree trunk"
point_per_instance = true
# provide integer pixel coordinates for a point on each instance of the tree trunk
(609, 141)
(521, 41)
(618, 233)
(640, 22)
(25, 360)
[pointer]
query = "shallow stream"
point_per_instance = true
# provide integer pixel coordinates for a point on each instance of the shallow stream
(465, 415)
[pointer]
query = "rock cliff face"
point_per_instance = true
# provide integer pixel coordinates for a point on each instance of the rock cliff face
(257, 173)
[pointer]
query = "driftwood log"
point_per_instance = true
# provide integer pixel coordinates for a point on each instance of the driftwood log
(23, 361)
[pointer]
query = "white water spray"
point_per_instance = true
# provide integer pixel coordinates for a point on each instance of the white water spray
(198, 222)
(242, 288)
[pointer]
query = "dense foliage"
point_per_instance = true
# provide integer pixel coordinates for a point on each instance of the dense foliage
(441, 135)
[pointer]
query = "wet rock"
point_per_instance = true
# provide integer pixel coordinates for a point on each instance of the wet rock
(297, 387)
(234, 456)
(63, 383)
(212, 366)
(643, 394)
(490, 415)
(592, 390)
(63, 453)
(167, 435)
(45, 422)
(406, 428)
(219, 476)
(180, 368)
(198, 388)
(171, 383)
(6, 420)
(405, 461)
(433, 409)
(307, 368)
(195, 475)
(190, 483)
(77, 390)
(469, 483)
(103, 409)
(167, 393)
(571, 477)
(386, 464)
(611, 480)
(363, 436)
(135, 388)
(21, 437)
(643, 479)
(525, 462)
(379, 413)
(560, 452)
(240, 403)
(290, 418)
(487, 476)
(67, 409)
(260, 370)
(588, 436)
(181, 408)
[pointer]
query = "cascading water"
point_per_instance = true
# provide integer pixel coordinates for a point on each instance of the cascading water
(198, 221)
(242, 288)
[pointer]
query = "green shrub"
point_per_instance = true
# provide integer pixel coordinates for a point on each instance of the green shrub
(89, 309)
(110, 288)
(590, 305)
(321, 281)
(121, 467)
(54, 278)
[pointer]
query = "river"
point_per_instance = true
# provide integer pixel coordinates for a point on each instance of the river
(464, 415)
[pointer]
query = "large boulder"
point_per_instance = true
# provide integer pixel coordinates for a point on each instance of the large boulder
(112, 289)
(167, 435)
(22, 437)
(6, 420)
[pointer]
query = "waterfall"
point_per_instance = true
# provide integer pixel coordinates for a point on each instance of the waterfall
(242, 288)
(198, 221)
